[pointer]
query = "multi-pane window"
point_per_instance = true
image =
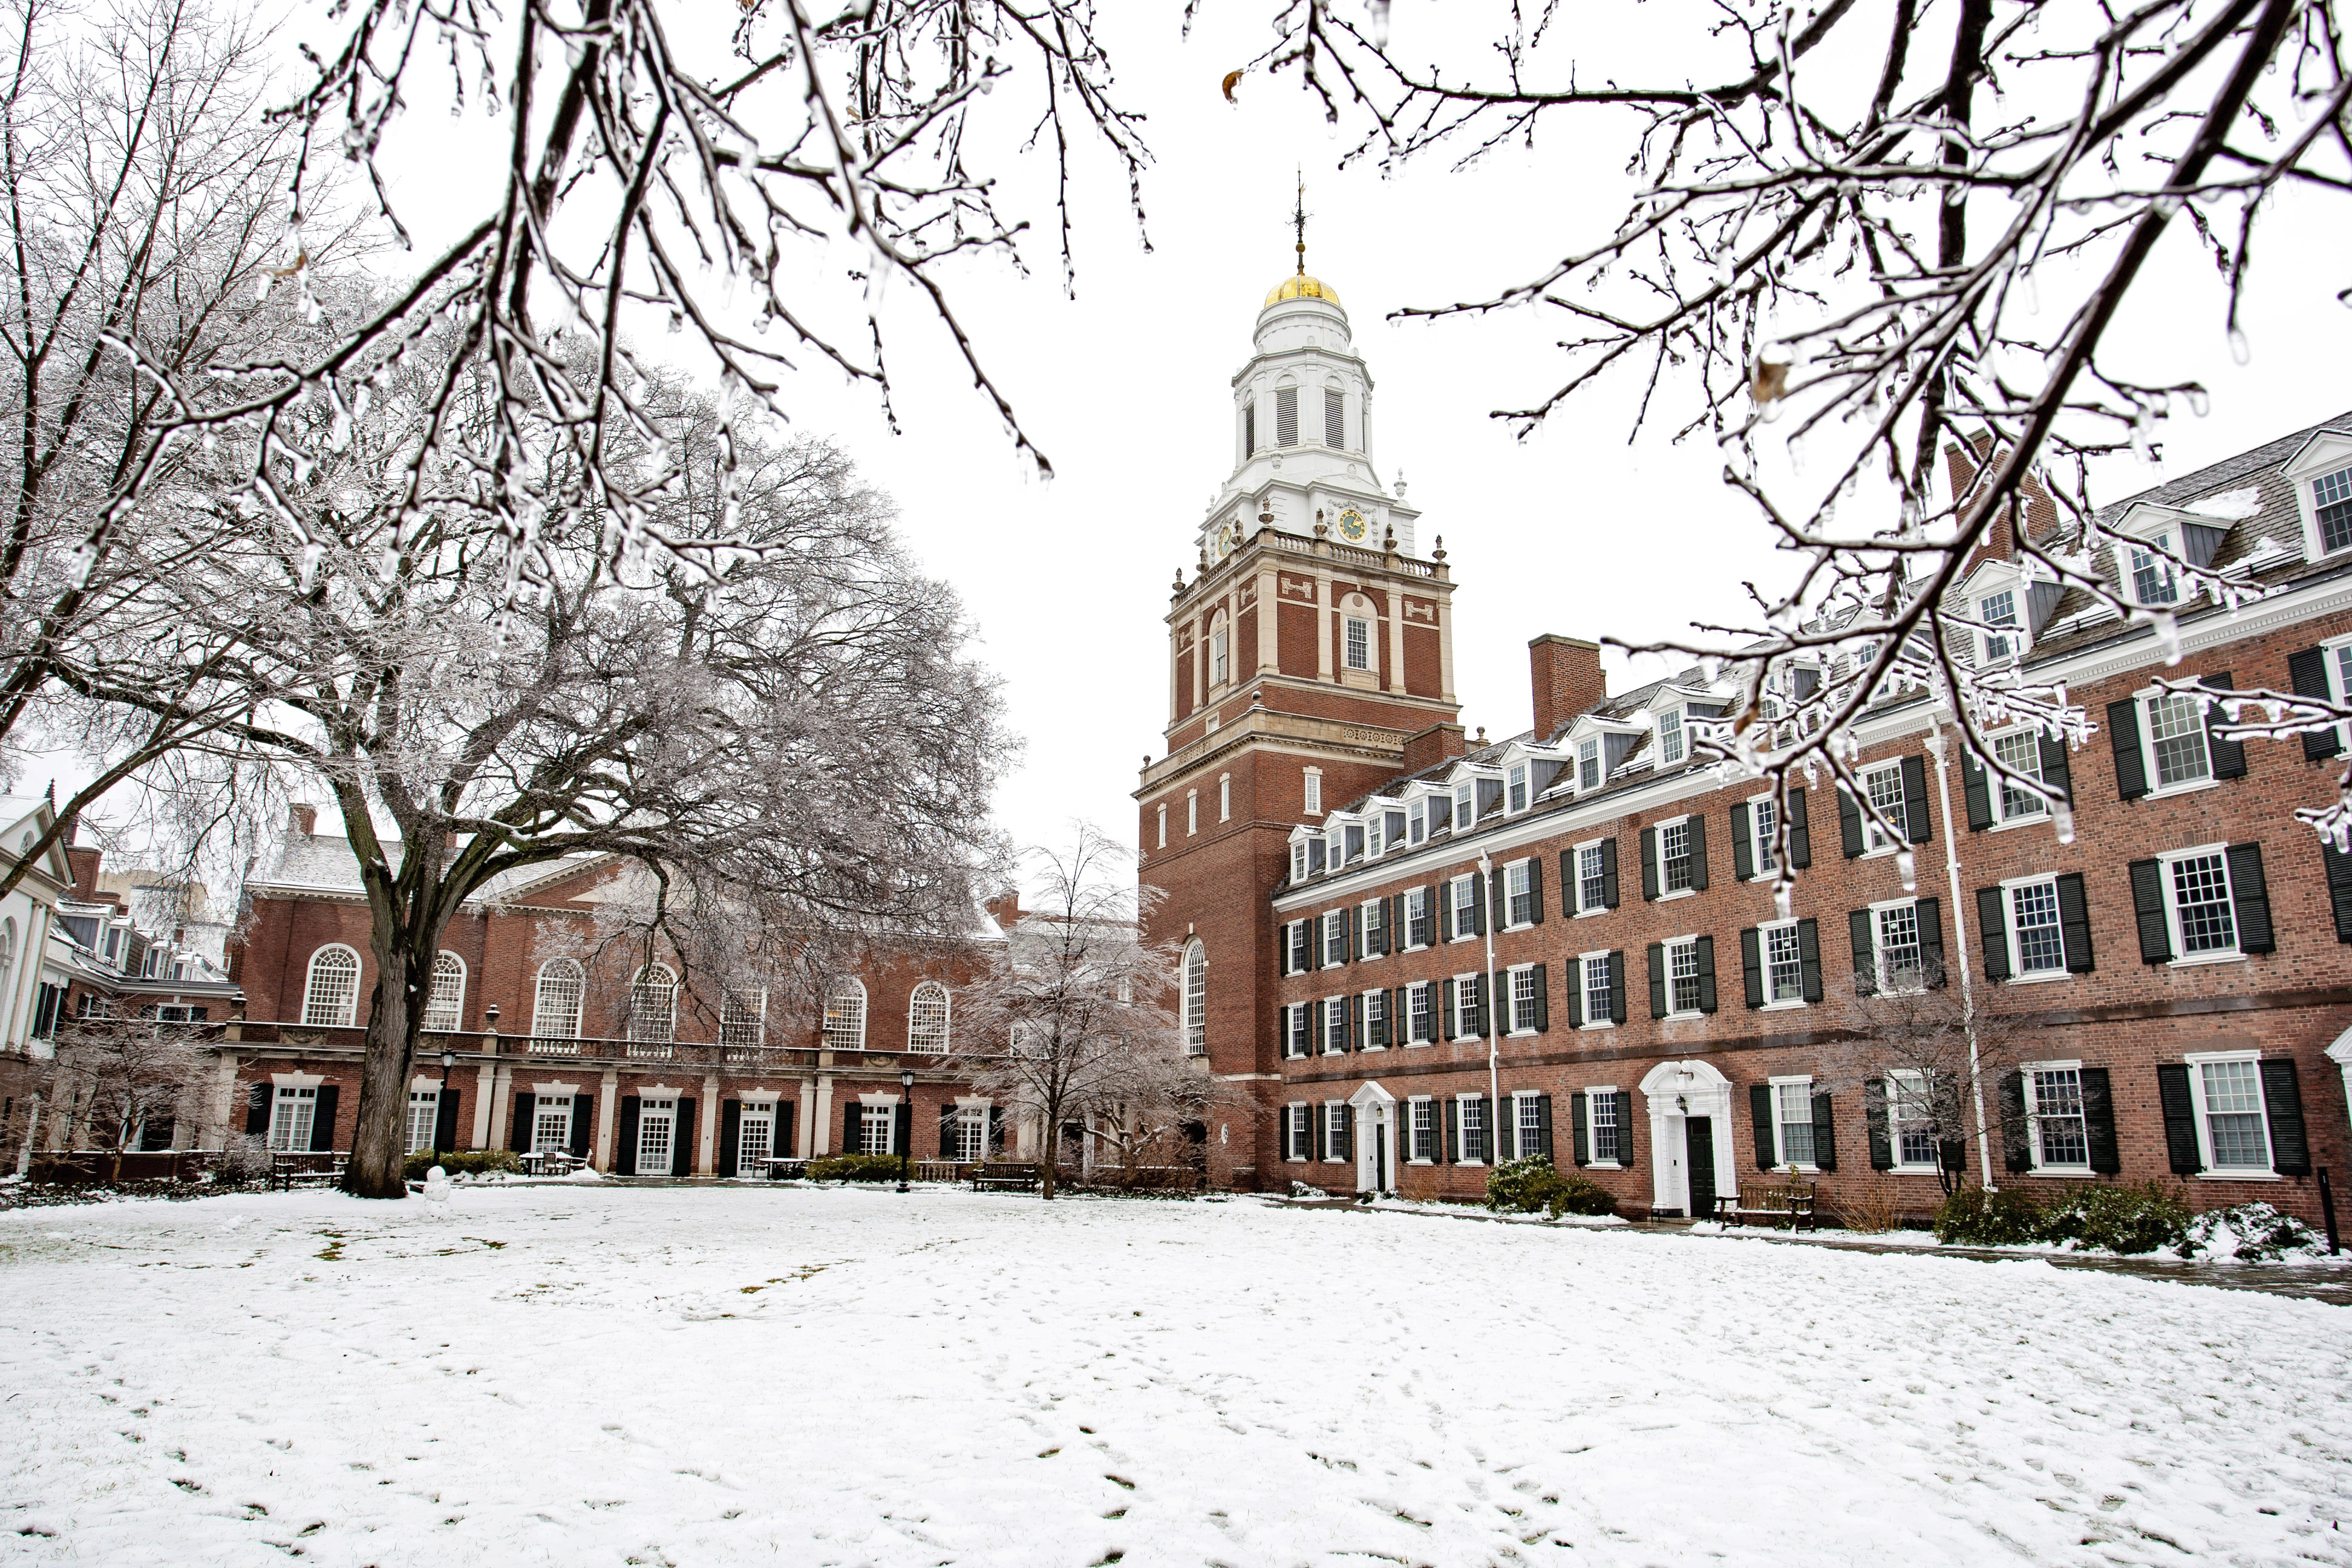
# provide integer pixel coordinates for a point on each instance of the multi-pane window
(1335, 417)
(1359, 643)
(1885, 788)
(1335, 938)
(1314, 791)
(1416, 918)
(1416, 818)
(551, 1123)
(1473, 1114)
(2034, 916)
(1518, 886)
(1591, 878)
(1421, 1005)
(1302, 947)
(743, 1018)
(556, 1006)
(1376, 1019)
(1605, 1135)
(1901, 962)
(1373, 916)
(1220, 661)
(1588, 763)
(2021, 753)
(1674, 857)
(1465, 807)
(2234, 1128)
(1465, 907)
(653, 1005)
(2153, 580)
(1911, 1118)
(1523, 999)
(1420, 1130)
(1196, 1000)
(2061, 1137)
(1784, 967)
(970, 1133)
(331, 998)
(290, 1115)
(874, 1129)
(1335, 1025)
(927, 1016)
(2331, 495)
(656, 1120)
(1997, 610)
(755, 1136)
(1793, 1107)
(2175, 736)
(1527, 1134)
(844, 1014)
(1599, 1002)
(1670, 737)
(1465, 1008)
(1300, 1139)
(1682, 975)
(1764, 821)
(1299, 1036)
(447, 1000)
(1335, 1129)
(423, 1117)
(1515, 789)
(1297, 850)
(2201, 904)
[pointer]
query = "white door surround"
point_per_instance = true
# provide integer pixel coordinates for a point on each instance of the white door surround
(1375, 1112)
(1677, 1090)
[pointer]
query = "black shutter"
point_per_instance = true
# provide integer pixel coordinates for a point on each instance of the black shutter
(2075, 922)
(1743, 850)
(1625, 1128)
(1873, 1116)
(2056, 771)
(1453, 1132)
(1917, 826)
(1282, 948)
(2252, 894)
(1849, 823)
(1707, 975)
(1487, 1143)
(1344, 1132)
(2099, 1122)
(1356, 1040)
(2338, 868)
(518, 1128)
(946, 1133)
(2283, 1102)
(780, 1141)
(1953, 1152)
(1478, 1020)
(1579, 1141)
(1975, 783)
(1608, 873)
(1433, 910)
(681, 1148)
(1992, 931)
(2307, 673)
(1542, 1002)
(257, 1108)
(1505, 1133)
(1617, 998)
(996, 1129)
(1657, 980)
(1759, 1110)
(1809, 957)
(2016, 1134)
(1751, 965)
(1801, 835)
(2147, 903)
(1446, 1021)
(851, 1116)
(1543, 1126)
(1866, 957)
(1698, 851)
(2123, 734)
(2179, 1118)
(583, 1124)
(2229, 756)
(1478, 926)
(444, 1118)
(1572, 993)
(1535, 885)
(1400, 1016)
(730, 1136)
(1649, 846)
(1824, 1132)
(322, 1121)
(1930, 912)
(625, 1158)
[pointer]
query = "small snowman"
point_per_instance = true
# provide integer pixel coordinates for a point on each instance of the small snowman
(437, 1193)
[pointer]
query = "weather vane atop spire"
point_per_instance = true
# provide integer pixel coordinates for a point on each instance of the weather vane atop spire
(1298, 222)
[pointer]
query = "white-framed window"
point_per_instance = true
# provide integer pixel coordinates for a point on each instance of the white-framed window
(1604, 1139)
(1671, 743)
(1676, 872)
(1900, 954)
(2336, 660)
(1417, 930)
(1682, 977)
(1420, 1130)
(1377, 1034)
(1421, 1008)
(1335, 1130)
(444, 1001)
(551, 1123)
(2020, 751)
(1372, 921)
(1998, 613)
(1465, 1008)
(1465, 894)
(874, 1129)
(2232, 1121)
(653, 1005)
(2198, 903)
(1225, 797)
(2057, 1134)
(1763, 825)
(1220, 653)
(1793, 1123)
(845, 1014)
(970, 1134)
(1299, 1030)
(1298, 861)
(1466, 807)
(2037, 942)
(1910, 1122)
(743, 1017)
(2331, 503)
(1358, 643)
(1335, 1025)
(1471, 1111)
(1192, 812)
(1335, 938)
(1313, 787)
(656, 1123)
(1515, 789)
(1520, 893)
(1885, 788)
(927, 1019)
(1163, 824)
(557, 998)
(291, 1111)
(1591, 878)
(1416, 821)
(1782, 960)
(1527, 1122)
(1588, 763)
(1298, 1133)
(2154, 579)
(1520, 987)
(424, 1118)
(2173, 723)
(755, 1136)
(1196, 998)
(330, 993)
(1594, 972)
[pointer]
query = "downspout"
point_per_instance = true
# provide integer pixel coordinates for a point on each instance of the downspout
(1938, 747)
(1494, 1013)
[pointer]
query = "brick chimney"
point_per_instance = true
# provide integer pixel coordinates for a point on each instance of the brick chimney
(304, 820)
(1964, 464)
(84, 858)
(1005, 907)
(1433, 745)
(1566, 675)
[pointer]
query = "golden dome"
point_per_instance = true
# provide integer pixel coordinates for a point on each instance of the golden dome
(1301, 288)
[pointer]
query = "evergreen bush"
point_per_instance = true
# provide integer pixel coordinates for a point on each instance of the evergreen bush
(1578, 1195)
(855, 1168)
(2251, 1233)
(1975, 1217)
(462, 1162)
(1529, 1183)
(2122, 1218)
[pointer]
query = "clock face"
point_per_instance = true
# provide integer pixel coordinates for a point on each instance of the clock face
(1229, 538)
(1351, 524)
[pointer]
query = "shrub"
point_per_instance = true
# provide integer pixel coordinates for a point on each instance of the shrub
(855, 1168)
(2120, 1218)
(462, 1162)
(1529, 1183)
(1578, 1195)
(1975, 1217)
(2250, 1233)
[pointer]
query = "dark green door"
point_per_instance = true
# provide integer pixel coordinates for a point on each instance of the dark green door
(1698, 1153)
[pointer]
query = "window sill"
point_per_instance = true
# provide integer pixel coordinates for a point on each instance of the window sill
(1376, 1047)
(2168, 792)
(1677, 893)
(1588, 914)
(1519, 925)
(1764, 874)
(1520, 1035)
(2037, 819)
(1788, 1005)
(1683, 1018)
(1421, 1161)
(2198, 960)
(1420, 1045)
(1603, 1166)
(2239, 1176)
(1598, 1024)
(1913, 1171)
(2070, 1172)
(2039, 979)
(1879, 852)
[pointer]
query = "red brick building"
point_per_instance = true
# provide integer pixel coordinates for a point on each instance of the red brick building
(568, 1038)
(2173, 986)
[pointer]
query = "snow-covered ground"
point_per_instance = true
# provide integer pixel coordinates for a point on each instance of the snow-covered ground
(585, 1377)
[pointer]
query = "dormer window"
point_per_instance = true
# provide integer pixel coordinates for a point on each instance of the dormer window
(1588, 763)
(1298, 861)
(1372, 837)
(1516, 798)
(1335, 850)
(1416, 821)
(2331, 500)
(1670, 737)
(1999, 610)
(2153, 579)
(1466, 807)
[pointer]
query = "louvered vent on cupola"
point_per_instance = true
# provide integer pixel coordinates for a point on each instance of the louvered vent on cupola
(1286, 416)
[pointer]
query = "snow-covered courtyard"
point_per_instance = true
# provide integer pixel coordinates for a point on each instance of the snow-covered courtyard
(582, 1376)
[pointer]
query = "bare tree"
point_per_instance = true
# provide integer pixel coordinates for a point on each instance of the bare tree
(1858, 230)
(1072, 1019)
(1145, 1112)
(125, 1075)
(1928, 1068)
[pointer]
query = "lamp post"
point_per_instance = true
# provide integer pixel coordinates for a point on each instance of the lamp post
(906, 1135)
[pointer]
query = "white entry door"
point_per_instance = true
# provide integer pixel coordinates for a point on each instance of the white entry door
(756, 1139)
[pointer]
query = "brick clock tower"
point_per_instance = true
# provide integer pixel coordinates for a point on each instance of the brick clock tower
(1310, 659)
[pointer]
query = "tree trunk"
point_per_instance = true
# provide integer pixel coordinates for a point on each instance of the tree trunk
(378, 1155)
(1051, 1166)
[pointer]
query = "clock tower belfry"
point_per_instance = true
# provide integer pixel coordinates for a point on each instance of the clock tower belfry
(1310, 661)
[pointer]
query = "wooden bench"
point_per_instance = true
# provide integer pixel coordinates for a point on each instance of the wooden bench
(313, 1167)
(1005, 1176)
(1774, 1204)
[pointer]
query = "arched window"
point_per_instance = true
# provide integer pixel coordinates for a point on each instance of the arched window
(332, 997)
(844, 1014)
(1221, 649)
(1196, 998)
(653, 1005)
(444, 1003)
(555, 1010)
(743, 1018)
(927, 1019)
